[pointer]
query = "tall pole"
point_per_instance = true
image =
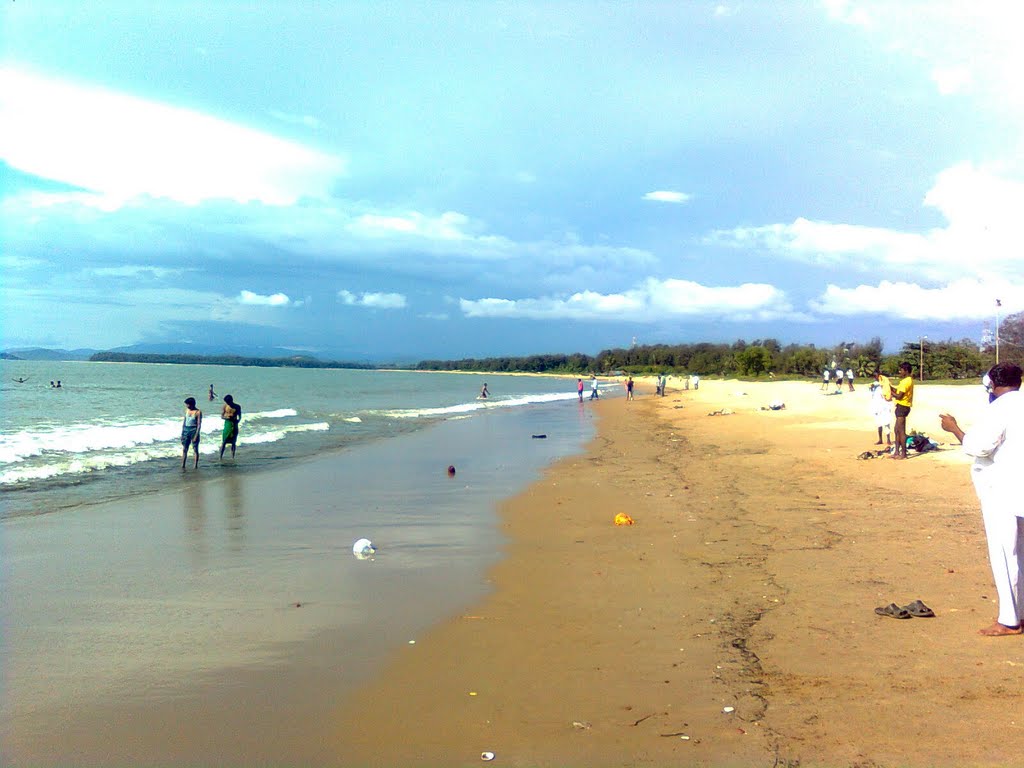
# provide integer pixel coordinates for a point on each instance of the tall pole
(921, 366)
(998, 305)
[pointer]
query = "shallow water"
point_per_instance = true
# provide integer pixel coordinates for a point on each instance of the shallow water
(114, 611)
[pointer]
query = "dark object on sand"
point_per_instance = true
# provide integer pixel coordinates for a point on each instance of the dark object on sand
(451, 470)
(539, 437)
(919, 609)
(893, 611)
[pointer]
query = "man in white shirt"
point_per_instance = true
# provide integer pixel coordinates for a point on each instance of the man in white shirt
(997, 445)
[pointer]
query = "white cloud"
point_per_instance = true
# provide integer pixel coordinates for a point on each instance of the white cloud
(447, 226)
(373, 300)
(667, 196)
(654, 300)
(961, 45)
(960, 300)
(950, 80)
(257, 300)
(120, 147)
(136, 270)
(305, 120)
(981, 239)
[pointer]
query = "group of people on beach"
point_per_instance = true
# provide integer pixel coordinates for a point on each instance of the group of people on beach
(837, 375)
(594, 395)
(996, 443)
(192, 427)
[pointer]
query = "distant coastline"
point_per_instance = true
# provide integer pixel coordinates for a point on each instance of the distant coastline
(257, 362)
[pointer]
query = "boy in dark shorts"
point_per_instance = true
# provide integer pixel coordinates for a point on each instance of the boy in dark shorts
(903, 397)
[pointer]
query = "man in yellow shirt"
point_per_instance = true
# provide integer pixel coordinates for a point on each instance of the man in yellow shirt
(903, 397)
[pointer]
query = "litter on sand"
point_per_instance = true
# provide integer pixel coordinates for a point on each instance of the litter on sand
(623, 519)
(363, 548)
(486, 756)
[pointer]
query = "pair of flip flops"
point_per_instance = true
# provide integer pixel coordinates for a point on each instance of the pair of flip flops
(916, 609)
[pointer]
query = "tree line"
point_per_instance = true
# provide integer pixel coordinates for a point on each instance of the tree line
(950, 359)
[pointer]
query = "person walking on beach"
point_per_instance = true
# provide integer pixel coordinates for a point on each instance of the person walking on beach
(849, 378)
(579, 389)
(903, 396)
(232, 415)
(191, 427)
(997, 445)
(824, 379)
(593, 387)
(881, 407)
(629, 388)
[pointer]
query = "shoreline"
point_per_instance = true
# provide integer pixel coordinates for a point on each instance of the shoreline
(218, 622)
(733, 624)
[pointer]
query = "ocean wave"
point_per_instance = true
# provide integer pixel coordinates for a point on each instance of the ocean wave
(83, 463)
(479, 405)
(84, 438)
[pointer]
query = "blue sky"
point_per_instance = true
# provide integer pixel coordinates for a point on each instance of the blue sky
(446, 179)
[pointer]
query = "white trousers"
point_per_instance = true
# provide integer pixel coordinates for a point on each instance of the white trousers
(1005, 534)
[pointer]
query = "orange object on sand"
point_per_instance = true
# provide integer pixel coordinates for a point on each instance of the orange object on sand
(623, 519)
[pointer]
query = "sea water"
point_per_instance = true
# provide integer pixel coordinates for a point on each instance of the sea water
(115, 428)
(126, 583)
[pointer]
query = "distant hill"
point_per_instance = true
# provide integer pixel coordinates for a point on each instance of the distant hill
(293, 361)
(39, 353)
(217, 350)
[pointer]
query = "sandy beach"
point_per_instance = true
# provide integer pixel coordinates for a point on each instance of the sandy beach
(733, 623)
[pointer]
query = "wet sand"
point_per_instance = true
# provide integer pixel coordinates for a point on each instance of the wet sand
(733, 623)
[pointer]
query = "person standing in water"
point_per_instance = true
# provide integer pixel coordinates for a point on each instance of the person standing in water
(483, 391)
(212, 395)
(232, 414)
(191, 427)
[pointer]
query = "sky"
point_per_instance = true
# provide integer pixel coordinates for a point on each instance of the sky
(447, 179)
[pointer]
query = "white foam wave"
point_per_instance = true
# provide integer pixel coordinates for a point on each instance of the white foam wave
(76, 464)
(280, 413)
(468, 408)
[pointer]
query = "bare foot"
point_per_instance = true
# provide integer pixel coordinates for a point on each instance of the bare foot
(897, 456)
(879, 442)
(998, 630)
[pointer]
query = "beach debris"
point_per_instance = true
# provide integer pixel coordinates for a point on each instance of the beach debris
(412, 642)
(539, 437)
(645, 717)
(487, 756)
(363, 549)
(728, 710)
(623, 519)
(581, 725)
(472, 693)
(451, 470)
(721, 412)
